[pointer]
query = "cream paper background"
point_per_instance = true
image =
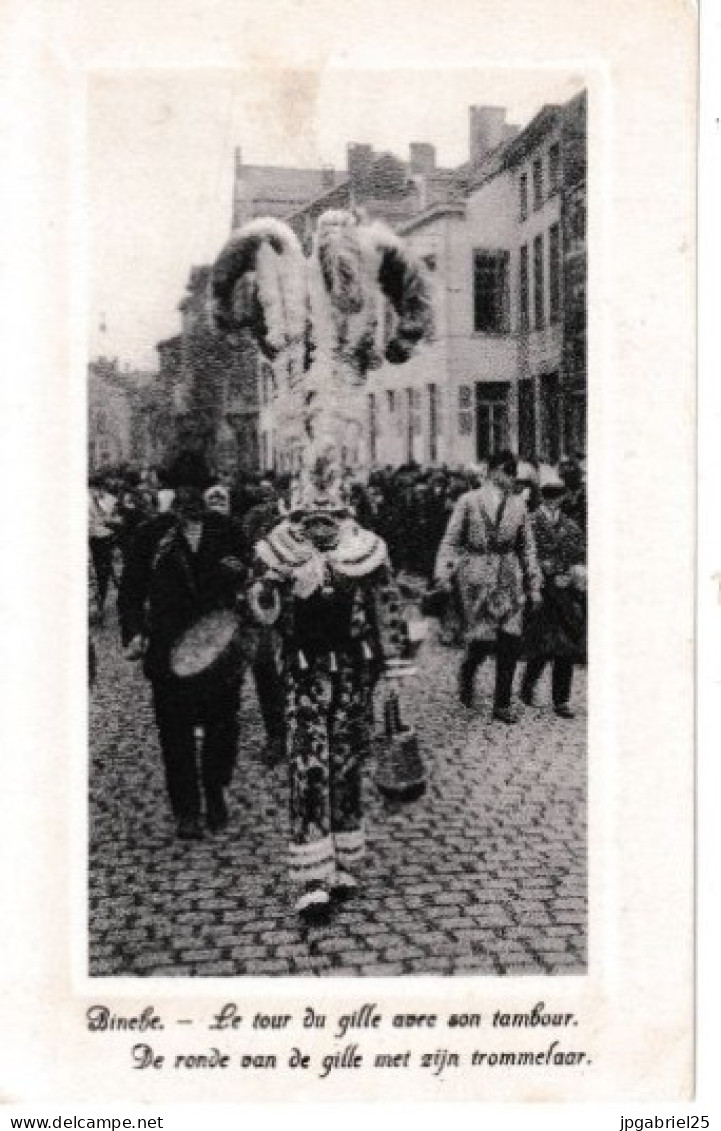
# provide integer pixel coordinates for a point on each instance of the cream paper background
(636, 1005)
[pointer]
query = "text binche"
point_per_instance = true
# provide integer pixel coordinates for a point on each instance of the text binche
(101, 1020)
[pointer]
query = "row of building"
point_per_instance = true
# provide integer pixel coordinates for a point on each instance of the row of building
(508, 364)
(503, 238)
(128, 422)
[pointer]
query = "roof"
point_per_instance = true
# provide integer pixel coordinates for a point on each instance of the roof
(125, 380)
(441, 186)
(491, 165)
(170, 343)
(282, 189)
(288, 178)
(339, 196)
(545, 120)
(441, 211)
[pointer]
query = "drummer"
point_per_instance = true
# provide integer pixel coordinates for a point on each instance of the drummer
(183, 564)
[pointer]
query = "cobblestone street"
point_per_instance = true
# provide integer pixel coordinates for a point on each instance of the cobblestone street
(486, 874)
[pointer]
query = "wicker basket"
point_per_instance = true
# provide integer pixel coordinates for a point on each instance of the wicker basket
(400, 775)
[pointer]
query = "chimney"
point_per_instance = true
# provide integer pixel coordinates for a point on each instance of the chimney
(360, 159)
(422, 158)
(486, 127)
(327, 177)
(238, 161)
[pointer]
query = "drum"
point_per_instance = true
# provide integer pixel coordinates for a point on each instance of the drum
(210, 650)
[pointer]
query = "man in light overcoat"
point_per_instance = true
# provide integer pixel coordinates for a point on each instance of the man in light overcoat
(489, 550)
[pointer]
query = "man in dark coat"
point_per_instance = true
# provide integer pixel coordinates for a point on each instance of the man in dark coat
(557, 632)
(182, 565)
(132, 511)
(103, 523)
(574, 503)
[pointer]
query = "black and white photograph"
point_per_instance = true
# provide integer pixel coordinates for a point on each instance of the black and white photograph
(349, 698)
(337, 525)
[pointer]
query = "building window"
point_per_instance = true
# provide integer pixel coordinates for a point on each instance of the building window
(414, 400)
(538, 293)
(491, 418)
(523, 196)
(465, 411)
(537, 183)
(574, 355)
(575, 409)
(372, 428)
(390, 394)
(433, 422)
(526, 419)
(575, 228)
(490, 292)
(267, 383)
(523, 288)
(550, 418)
(413, 422)
(554, 168)
(554, 256)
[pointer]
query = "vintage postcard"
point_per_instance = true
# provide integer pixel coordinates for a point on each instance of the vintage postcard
(361, 762)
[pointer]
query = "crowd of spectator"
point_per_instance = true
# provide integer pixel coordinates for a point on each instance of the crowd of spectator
(409, 506)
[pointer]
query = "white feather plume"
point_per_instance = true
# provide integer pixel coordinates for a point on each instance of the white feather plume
(333, 307)
(260, 282)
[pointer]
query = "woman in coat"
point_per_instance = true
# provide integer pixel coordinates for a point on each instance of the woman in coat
(558, 631)
(488, 551)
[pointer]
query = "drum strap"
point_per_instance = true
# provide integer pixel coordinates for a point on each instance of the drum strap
(163, 547)
(166, 544)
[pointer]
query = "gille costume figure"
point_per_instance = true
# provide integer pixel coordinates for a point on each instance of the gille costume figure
(323, 580)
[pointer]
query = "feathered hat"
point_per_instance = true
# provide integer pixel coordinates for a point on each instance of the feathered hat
(359, 297)
(321, 486)
(259, 283)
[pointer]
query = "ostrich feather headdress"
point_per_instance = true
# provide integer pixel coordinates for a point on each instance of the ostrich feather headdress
(331, 301)
(357, 299)
(259, 283)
